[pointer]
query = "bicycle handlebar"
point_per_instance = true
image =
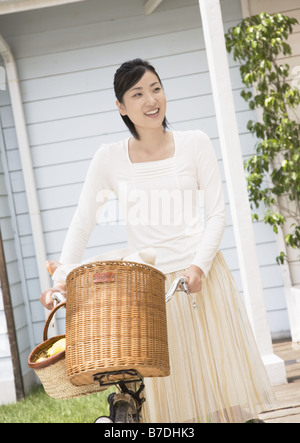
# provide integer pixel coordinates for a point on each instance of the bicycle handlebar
(179, 284)
(57, 297)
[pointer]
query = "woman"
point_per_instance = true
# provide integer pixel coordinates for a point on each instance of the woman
(216, 371)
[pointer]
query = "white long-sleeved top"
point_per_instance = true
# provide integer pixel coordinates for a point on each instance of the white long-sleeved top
(160, 201)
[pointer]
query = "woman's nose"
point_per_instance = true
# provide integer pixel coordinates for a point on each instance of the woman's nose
(150, 99)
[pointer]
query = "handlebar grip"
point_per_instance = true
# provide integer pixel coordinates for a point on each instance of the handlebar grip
(180, 281)
(58, 297)
(180, 284)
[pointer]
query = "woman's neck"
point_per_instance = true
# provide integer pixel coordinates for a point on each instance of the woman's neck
(151, 140)
(154, 145)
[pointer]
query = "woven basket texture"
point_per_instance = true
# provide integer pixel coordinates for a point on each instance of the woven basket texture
(57, 385)
(52, 372)
(116, 320)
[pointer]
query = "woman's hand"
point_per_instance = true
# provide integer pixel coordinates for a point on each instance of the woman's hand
(194, 275)
(45, 298)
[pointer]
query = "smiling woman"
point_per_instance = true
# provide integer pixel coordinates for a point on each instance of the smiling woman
(142, 104)
(217, 374)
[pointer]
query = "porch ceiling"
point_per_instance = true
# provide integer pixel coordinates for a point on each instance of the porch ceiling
(11, 6)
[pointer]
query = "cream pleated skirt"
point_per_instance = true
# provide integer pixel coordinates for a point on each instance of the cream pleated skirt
(217, 375)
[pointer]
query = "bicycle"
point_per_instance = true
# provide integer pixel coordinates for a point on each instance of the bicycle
(126, 405)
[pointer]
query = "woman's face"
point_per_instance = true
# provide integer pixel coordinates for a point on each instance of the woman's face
(145, 103)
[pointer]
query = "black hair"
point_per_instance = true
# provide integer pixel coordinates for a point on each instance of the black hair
(128, 74)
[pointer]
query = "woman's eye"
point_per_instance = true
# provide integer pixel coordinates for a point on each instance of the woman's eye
(157, 89)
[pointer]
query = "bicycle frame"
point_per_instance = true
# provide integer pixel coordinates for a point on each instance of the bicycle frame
(125, 398)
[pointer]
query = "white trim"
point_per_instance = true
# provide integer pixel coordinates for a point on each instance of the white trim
(246, 9)
(10, 7)
(7, 392)
(274, 366)
(151, 5)
(27, 167)
(236, 184)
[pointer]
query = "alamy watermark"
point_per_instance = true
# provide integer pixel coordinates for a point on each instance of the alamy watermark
(2, 79)
(155, 207)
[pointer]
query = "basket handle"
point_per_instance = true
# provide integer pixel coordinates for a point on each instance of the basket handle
(46, 327)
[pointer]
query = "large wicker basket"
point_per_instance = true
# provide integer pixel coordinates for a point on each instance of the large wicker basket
(116, 320)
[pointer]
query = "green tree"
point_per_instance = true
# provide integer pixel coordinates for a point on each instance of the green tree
(273, 172)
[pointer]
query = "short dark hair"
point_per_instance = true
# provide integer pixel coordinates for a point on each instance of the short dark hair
(126, 76)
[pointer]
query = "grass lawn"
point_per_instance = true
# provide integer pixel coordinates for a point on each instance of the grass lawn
(38, 407)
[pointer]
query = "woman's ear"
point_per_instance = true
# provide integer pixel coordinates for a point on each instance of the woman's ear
(121, 108)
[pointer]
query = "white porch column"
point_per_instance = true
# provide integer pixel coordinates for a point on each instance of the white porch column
(236, 184)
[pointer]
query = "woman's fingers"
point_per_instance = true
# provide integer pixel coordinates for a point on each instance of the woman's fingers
(194, 277)
(46, 299)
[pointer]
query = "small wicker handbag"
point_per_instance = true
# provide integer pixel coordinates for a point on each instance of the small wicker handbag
(52, 371)
(116, 320)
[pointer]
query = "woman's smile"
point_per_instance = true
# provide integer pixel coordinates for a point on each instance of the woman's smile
(153, 114)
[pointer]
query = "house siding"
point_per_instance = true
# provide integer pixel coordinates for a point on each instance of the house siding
(66, 57)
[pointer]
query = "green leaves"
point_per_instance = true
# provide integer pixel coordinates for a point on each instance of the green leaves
(258, 43)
